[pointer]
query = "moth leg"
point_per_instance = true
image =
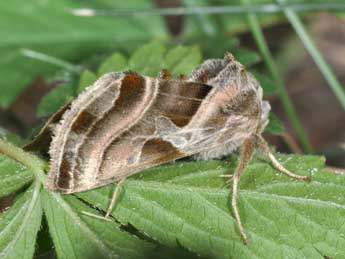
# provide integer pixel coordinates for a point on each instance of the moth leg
(112, 203)
(114, 197)
(245, 157)
(95, 216)
(263, 146)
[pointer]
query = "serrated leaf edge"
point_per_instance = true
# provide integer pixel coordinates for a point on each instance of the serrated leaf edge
(83, 226)
(34, 200)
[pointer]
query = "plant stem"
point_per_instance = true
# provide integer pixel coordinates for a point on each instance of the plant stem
(284, 97)
(325, 69)
(51, 60)
(194, 9)
(29, 160)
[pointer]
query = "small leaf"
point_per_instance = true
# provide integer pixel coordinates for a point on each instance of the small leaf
(148, 59)
(182, 60)
(76, 235)
(19, 225)
(283, 217)
(56, 98)
(87, 78)
(275, 126)
(116, 62)
(13, 175)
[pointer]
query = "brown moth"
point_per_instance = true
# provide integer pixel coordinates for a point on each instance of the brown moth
(126, 122)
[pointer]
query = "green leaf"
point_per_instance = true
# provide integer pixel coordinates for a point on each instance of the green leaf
(283, 217)
(208, 45)
(76, 235)
(116, 62)
(86, 79)
(152, 57)
(49, 27)
(13, 175)
(246, 56)
(267, 84)
(275, 126)
(10, 137)
(56, 98)
(182, 59)
(148, 59)
(19, 225)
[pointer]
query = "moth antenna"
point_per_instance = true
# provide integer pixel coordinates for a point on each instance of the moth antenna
(164, 74)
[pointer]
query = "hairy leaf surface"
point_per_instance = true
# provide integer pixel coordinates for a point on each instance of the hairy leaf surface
(19, 225)
(189, 204)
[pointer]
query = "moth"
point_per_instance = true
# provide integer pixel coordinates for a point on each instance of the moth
(126, 122)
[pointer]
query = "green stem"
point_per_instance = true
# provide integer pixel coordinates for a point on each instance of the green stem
(29, 160)
(51, 60)
(325, 69)
(284, 97)
(196, 9)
